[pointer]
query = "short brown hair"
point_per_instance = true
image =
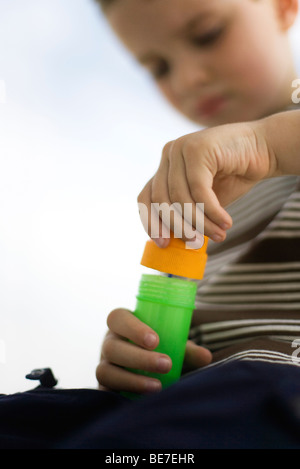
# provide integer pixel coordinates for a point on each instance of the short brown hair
(105, 3)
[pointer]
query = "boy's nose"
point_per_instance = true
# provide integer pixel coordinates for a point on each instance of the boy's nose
(189, 75)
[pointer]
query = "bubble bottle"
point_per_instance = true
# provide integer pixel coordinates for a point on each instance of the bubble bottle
(166, 301)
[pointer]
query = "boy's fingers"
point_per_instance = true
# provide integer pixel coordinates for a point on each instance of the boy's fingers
(201, 187)
(170, 202)
(113, 377)
(125, 324)
(196, 356)
(150, 218)
(126, 354)
(200, 206)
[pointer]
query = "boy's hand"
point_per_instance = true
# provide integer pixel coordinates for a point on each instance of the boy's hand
(118, 353)
(215, 167)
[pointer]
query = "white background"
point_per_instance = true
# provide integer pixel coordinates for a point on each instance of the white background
(81, 132)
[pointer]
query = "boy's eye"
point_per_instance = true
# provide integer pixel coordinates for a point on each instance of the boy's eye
(208, 38)
(159, 70)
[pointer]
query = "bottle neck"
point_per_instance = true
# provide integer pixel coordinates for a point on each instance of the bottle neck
(167, 290)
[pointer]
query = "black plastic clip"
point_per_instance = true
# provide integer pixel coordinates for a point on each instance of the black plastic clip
(45, 376)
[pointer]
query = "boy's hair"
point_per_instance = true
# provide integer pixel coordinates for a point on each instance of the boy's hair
(105, 3)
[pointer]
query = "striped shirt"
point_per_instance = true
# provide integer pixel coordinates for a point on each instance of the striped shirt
(248, 303)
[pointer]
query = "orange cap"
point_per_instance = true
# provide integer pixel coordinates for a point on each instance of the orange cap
(176, 259)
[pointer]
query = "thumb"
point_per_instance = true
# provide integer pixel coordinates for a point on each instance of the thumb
(196, 356)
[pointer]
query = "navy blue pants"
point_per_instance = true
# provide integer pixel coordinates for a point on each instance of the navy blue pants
(240, 405)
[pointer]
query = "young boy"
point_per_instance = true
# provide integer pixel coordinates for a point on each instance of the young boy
(219, 63)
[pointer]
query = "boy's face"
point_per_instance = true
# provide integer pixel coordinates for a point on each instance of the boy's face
(216, 61)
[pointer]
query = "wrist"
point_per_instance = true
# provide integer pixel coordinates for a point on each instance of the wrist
(266, 155)
(281, 133)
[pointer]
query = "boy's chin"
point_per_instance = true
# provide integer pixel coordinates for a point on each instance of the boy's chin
(234, 118)
(217, 121)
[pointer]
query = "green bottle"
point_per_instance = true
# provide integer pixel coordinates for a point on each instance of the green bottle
(166, 302)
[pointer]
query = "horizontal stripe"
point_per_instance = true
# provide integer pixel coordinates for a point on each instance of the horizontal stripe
(294, 196)
(258, 297)
(245, 322)
(285, 224)
(225, 344)
(280, 234)
(257, 278)
(258, 287)
(268, 267)
(248, 307)
(292, 205)
(260, 355)
(248, 331)
(292, 214)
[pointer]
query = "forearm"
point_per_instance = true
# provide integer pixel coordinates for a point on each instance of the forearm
(282, 133)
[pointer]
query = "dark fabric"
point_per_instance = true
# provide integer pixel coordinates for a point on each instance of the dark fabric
(43, 418)
(239, 405)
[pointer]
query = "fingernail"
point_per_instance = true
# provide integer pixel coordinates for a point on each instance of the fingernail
(217, 238)
(225, 226)
(153, 385)
(150, 340)
(163, 364)
(161, 242)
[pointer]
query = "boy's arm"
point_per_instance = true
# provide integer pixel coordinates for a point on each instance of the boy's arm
(282, 132)
(216, 166)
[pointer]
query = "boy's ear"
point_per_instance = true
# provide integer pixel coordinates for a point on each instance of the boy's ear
(287, 11)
